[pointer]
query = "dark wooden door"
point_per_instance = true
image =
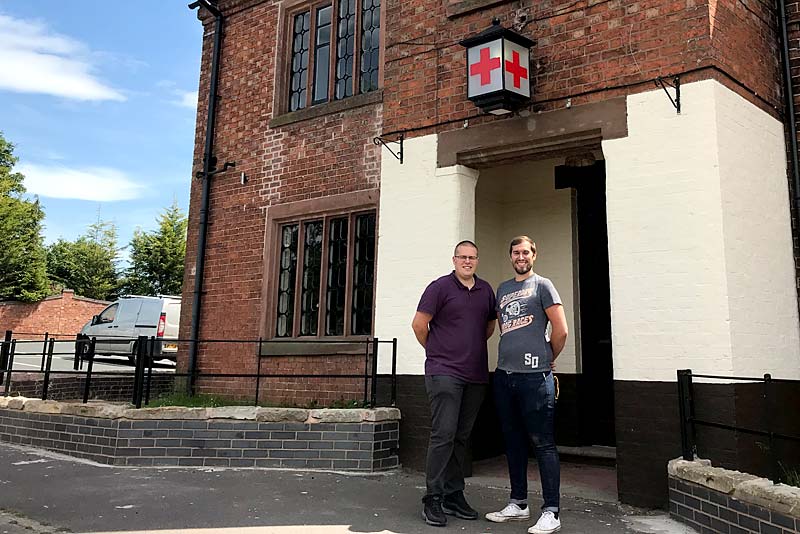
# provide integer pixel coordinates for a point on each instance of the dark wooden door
(595, 383)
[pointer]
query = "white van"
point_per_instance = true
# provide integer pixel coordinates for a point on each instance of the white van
(121, 323)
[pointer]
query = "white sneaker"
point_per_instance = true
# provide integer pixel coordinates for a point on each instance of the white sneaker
(512, 512)
(546, 524)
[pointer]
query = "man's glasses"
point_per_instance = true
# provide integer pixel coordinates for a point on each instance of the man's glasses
(465, 258)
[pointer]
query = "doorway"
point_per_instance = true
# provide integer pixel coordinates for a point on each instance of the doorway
(595, 381)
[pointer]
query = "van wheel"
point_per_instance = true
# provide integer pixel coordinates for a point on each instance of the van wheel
(132, 355)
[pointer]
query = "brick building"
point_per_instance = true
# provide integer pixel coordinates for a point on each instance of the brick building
(59, 315)
(668, 234)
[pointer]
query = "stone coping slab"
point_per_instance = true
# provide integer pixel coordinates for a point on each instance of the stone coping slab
(108, 410)
(742, 486)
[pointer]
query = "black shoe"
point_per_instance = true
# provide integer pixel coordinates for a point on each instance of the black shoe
(455, 504)
(432, 511)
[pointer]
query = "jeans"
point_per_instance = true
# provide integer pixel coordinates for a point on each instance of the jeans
(526, 406)
(454, 408)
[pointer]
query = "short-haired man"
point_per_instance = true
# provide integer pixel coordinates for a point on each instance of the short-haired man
(524, 391)
(454, 318)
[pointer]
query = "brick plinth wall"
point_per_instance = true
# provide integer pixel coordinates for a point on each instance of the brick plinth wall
(708, 510)
(235, 436)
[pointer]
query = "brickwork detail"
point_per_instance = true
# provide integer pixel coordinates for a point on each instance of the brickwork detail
(60, 315)
(362, 446)
(711, 511)
(108, 388)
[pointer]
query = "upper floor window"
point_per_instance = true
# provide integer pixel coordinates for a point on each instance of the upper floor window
(335, 51)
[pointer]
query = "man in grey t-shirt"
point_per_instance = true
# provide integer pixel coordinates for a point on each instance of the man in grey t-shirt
(524, 391)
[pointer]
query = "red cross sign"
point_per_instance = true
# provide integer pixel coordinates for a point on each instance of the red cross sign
(516, 70)
(485, 66)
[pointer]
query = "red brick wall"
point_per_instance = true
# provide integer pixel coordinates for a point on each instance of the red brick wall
(62, 315)
(579, 50)
(327, 155)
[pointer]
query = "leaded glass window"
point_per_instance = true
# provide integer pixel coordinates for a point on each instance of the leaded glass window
(312, 261)
(337, 277)
(286, 280)
(300, 55)
(370, 44)
(345, 48)
(340, 43)
(363, 273)
(326, 276)
(322, 55)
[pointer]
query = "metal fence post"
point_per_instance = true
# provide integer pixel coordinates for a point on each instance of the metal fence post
(138, 379)
(4, 354)
(80, 342)
(773, 461)
(9, 363)
(47, 364)
(685, 405)
(88, 382)
(150, 358)
(394, 371)
(374, 393)
(366, 369)
(258, 370)
(44, 351)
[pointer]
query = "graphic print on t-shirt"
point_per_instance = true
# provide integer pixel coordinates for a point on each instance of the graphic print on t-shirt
(514, 312)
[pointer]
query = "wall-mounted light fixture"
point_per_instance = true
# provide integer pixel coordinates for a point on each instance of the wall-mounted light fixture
(498, 69)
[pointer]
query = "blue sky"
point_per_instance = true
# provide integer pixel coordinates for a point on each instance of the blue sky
(99, 97)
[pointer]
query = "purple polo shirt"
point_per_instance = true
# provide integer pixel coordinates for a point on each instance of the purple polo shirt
(456, 343)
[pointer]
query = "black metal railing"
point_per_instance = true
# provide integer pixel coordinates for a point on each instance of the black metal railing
(690, 422)
(147, 350)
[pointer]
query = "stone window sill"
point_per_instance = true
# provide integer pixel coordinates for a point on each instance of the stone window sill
(312, 348)
(373, 97)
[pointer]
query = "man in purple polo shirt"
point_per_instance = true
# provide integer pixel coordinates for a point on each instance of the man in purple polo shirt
(455, 317)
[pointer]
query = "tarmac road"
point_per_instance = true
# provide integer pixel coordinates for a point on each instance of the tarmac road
(43, 493)
(28, 357)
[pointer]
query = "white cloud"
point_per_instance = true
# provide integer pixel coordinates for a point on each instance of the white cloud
(101, 184)
(187, 99)
(33, 59)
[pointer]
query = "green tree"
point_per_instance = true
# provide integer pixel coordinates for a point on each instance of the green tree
(156, 264)
(23, 273)
(89, 264)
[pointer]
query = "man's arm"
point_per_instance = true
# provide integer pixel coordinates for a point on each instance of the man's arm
(558, 335)
(420, 326)
(490, 328)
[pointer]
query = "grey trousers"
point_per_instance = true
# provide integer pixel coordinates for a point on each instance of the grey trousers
(454, 408)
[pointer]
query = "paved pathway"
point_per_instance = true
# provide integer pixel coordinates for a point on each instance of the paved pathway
(43, 493)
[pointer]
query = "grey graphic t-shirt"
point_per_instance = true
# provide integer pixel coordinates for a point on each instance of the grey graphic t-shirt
(523, 323)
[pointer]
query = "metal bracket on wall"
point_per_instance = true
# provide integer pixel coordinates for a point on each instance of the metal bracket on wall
(384, 142)
(676, 84)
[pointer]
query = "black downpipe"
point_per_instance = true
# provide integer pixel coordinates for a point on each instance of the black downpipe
(789, 95)
(207, 173)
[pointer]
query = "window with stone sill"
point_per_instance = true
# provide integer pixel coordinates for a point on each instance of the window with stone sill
(334, 51)
(326, 276)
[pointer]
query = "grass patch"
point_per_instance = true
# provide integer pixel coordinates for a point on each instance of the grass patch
(215, 401)
(194, 401)
(790, 476)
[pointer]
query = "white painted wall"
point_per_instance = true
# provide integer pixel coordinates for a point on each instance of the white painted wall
(423, 213)
(757, 239)
(520, 199)
(683, 209)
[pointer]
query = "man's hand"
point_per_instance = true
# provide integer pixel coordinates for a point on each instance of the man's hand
(420, 326)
